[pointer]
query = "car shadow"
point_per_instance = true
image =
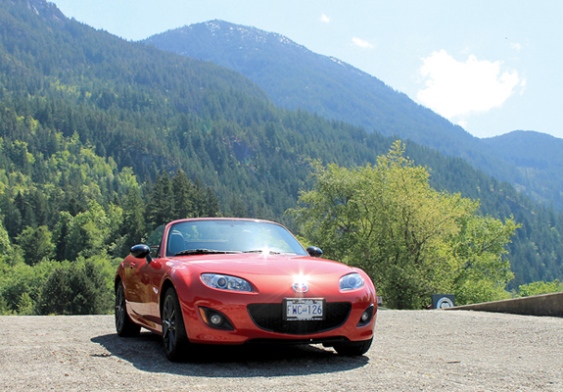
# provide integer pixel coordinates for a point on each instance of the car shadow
(145, 352)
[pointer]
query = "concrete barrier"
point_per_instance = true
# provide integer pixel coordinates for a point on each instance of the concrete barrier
(537, 305)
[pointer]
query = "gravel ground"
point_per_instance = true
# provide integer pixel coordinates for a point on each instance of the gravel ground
(412, 351)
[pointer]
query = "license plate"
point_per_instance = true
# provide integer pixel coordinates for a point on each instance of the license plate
(299, 309)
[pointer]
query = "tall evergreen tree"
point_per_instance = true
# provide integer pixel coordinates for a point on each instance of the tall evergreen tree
(160, 207)
(134, 226)
(183, 190)
(36, 244)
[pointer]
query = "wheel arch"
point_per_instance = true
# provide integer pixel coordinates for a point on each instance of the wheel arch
(165, 286)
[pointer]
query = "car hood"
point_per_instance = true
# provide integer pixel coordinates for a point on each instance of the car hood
(264, 264)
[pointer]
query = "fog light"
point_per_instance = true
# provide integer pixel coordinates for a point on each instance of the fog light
(366, 316)
(216, 319)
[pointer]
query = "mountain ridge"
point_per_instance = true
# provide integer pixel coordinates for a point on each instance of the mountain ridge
(300, 79)
(537, 156)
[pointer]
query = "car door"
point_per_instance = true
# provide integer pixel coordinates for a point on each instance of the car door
(149, 278)
(142, 277)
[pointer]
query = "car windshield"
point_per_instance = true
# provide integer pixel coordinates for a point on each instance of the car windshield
(231, 236)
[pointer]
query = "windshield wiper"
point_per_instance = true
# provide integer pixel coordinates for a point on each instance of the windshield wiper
(204, 252)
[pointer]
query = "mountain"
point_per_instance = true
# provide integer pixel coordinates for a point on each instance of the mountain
(86, 118)
(537, 157)
(296, 78)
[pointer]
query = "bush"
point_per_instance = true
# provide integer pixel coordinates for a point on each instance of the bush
(538, 288)
(77, 288)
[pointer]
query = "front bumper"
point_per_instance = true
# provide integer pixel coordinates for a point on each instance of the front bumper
(264, 322)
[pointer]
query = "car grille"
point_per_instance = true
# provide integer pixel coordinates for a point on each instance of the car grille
(270, 317)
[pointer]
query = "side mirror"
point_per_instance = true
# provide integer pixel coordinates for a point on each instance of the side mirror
(141, 251)
(314, 251)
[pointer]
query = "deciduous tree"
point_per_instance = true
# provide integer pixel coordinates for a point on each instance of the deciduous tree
(413, 240)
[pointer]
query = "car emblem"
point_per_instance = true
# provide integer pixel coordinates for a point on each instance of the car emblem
(300, 287)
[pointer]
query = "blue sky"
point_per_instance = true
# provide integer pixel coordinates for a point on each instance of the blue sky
(490, 66)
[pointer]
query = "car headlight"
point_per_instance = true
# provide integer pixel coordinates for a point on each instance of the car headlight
(225, 282)
(351, 281)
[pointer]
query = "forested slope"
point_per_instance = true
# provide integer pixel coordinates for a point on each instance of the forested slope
(101, 138)
(537, 157)
(296, 78)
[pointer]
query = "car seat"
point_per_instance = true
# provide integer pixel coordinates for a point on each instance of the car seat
(176, 243)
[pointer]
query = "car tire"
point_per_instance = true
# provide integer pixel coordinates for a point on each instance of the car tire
(124, 326)
(174, 337)
(353, 349)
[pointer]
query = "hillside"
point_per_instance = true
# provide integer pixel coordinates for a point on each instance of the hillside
(89, 121)
(537, 157)
(296, 78)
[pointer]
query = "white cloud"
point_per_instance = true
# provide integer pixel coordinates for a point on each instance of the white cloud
(362, 43)
(457, 89)
(325, 18)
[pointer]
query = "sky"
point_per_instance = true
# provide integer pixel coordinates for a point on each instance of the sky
(490, 66)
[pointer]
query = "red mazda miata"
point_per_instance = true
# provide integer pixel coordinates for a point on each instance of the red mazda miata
(238, 281)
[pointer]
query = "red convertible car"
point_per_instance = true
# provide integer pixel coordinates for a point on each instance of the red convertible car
(238, 281)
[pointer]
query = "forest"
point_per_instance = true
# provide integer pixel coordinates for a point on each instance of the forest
(102, 139)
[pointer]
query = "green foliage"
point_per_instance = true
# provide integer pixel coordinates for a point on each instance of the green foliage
(36, 244)
(479, 248)
(21, 285)
(177, 198)
(411, 239)
(5, 245)
(77, 288)
(538, 288)
(100, 139)
(87, 233)
(133, 225)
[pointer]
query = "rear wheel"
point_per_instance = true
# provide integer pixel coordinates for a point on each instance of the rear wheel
(353, 349)
(174, 335)
(123, 323)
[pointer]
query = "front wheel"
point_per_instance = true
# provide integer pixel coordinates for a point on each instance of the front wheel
(174, 335)
(123, 324)
(353, 349)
